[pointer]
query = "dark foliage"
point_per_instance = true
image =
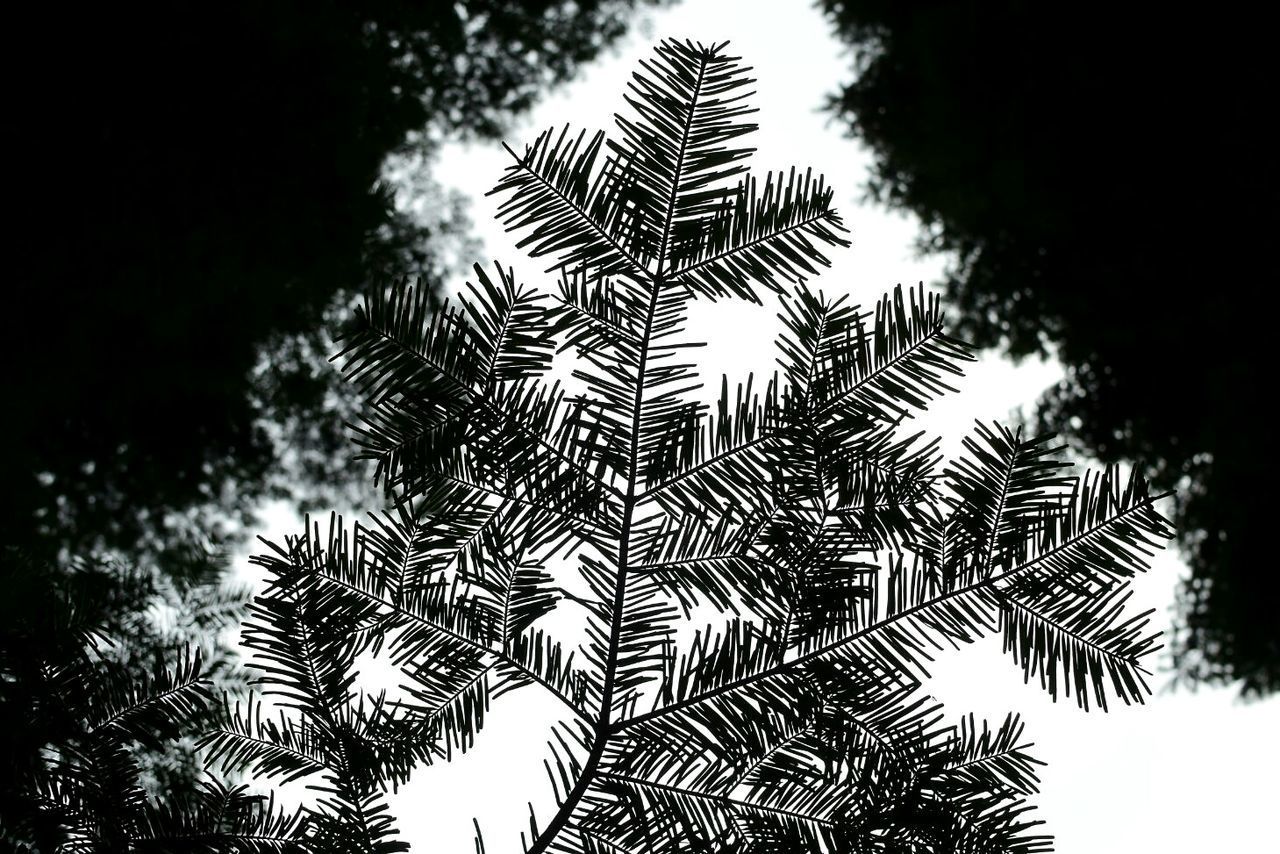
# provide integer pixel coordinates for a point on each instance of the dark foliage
(91, 719)
(829, 554)
(192, 184)
(1093, 165)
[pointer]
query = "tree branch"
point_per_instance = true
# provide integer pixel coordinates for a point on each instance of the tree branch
(802, 660)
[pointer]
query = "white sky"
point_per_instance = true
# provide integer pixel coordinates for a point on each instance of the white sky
(1185, 773)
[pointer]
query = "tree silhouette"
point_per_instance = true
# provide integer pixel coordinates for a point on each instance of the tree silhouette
(833, 553)
(1090, 167)
(828, 552)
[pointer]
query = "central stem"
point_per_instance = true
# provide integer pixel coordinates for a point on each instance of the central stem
(604, 726)
(628, 513)
(605, 722)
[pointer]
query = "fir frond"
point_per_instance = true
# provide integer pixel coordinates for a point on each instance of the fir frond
(280, 747)
(690, 103)
(1103, 532)
(508, 326)
(1081, 648)
(990, 760)
(421, 375)
(728, 582)
(768, 235)
(155, 707)
(1001, 491)
(598, 311)
(222, 820)
(577, 206)
(895, 366)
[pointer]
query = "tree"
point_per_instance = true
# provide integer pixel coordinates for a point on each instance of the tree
(831, 551)
(1090, 167)
(195, 188)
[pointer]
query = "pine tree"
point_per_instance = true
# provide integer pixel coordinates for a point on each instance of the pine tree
(835, 553)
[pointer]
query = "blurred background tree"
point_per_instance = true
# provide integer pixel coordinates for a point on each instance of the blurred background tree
(89, 626)
(1102, 174)
(198, 191)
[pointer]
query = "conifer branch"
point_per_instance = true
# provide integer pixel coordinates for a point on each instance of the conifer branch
(436, 626)
(571, 206)
(824, 651)
(479, 398)
(698, 468)
(836, 556)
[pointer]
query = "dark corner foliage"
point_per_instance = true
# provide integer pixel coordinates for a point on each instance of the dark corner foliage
(759, 585)
(197, 188)
(106, 672)
(1104, 175)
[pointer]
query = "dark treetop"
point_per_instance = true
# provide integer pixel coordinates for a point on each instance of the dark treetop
(192, 183)
(1102, 172)
(757, 587)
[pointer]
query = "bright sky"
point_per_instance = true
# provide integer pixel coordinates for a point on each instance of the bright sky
(1185, 773)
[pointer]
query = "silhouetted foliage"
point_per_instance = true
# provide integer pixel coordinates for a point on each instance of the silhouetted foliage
(80, 651)
(84, 791)
(1090, 166)
(828, 552)
(194, 184)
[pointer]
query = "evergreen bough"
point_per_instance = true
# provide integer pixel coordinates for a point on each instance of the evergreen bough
(760, 584)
